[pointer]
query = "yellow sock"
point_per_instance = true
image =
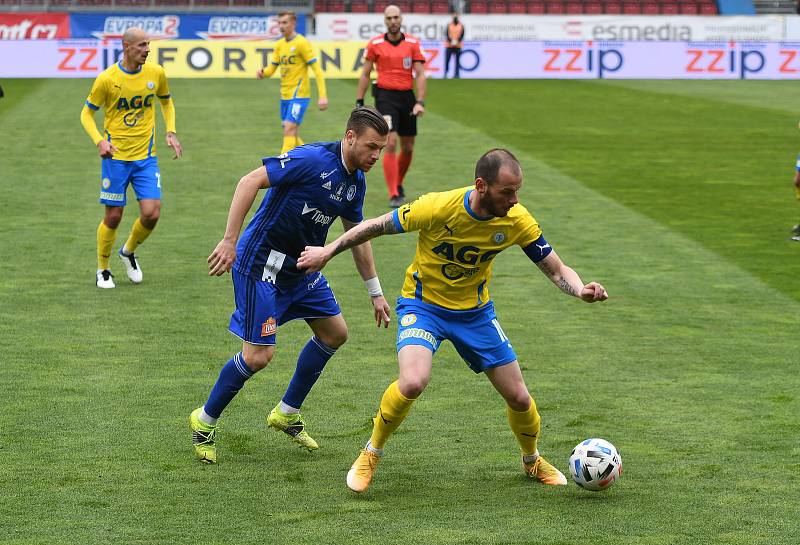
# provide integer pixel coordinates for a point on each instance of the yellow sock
(394, 408)
(526, 426)
(291, 142)
(105, 241)
(139, 234)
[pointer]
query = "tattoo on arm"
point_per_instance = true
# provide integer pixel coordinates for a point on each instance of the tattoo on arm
(565, 286)
(366, 231)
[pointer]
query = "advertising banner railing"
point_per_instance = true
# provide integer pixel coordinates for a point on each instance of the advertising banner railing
(479, 60)
(180, 26)
(486, 28)
(34, 26)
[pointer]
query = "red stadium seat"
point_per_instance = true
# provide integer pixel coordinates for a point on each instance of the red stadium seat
(359, 6)
(669, 9)
(516, 6)
(420, 6)
(708, 9)
(335, 6)
(689, 9)
(555, 8)
(613, 8)
(478, 6)
(404, 5)
(497, 6)
(629, 8)
(593, 8)
(651, 8)
(535, 6)
(574, 8)
(440, 6)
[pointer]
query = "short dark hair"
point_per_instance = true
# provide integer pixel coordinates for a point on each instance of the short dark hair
(292, 15)
(367, 117)
(488, 166)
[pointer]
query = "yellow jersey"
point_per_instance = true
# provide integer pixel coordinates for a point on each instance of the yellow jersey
(452, 265)
(294, 57)
(128, 99)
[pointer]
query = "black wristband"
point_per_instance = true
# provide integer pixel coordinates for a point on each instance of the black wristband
(421, 103)
(359, 103)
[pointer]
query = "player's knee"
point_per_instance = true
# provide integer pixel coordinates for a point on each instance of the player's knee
(519, 401)
(412, 387)
(334, 339)
(113, 216)
(259, 358)
(150, 217)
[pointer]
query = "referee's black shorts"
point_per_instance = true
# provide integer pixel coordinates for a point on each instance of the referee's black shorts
(396, 107)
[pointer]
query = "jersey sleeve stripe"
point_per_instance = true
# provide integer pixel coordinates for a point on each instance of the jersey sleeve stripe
(312, 61)
(92, 106)
(396, 218)
(164, 97)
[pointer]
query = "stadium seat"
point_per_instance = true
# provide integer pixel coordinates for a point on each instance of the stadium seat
(497, 6)
(688, 9)
(535, 7)
(593, 8)
(651, 8)
(556, 8)
(516, 6)
(404, 5)
(359, 6)
(669, 9)
(630, 8)
(440, 6)
(613, 8)
(177, 3)
(708, 8)
(379, 5)
(420, 6)
(478, 6)
(333, 6)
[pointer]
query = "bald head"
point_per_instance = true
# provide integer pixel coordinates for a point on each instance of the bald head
(391, 10)
(134, 35)
(393, 20)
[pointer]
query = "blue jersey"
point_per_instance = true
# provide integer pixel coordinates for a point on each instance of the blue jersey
(309, 188)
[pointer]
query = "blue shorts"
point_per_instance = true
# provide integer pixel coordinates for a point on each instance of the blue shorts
(797, 164)
(116, 175)
(475, 333)
(294, 109)
(262, 306)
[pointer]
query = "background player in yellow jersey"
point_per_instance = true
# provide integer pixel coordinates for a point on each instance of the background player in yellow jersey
(294, 54)
(445, 296)
(127, 91)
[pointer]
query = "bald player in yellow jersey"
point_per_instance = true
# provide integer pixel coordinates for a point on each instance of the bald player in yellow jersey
(445, 296)
(293, 54)
(127, 91)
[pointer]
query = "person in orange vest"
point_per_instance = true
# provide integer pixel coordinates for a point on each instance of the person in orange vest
(453, 44)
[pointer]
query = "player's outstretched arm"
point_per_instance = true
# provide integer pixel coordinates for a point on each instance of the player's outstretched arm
(221, 259)
(314, 258)
(365, 263)
(568, 280)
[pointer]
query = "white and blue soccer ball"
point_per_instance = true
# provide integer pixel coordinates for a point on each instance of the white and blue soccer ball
(595, 464)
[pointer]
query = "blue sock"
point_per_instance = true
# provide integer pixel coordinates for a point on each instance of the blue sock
(230, 381)
(310, 363)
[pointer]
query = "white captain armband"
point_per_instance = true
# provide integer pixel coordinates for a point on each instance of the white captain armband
(538, 249)
(373, 287)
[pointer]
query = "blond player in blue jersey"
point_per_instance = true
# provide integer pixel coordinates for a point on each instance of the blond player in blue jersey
(293, 54)
(127, 92)
(445, 296)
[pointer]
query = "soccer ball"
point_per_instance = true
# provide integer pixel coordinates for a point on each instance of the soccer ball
(595, 464)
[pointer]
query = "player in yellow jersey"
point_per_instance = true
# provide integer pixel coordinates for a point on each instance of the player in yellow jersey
(446, 297)
(294, 54)
(127, 92)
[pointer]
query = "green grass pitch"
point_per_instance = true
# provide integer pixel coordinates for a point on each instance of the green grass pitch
(675, 195)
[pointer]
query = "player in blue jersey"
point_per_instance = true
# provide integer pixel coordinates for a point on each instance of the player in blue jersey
(446, 297)
(310, 186)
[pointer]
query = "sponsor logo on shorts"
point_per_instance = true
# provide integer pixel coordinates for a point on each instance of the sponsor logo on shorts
(106, 183)
(112, 196)
(269, 327)
(408, 319)
(417, 333)
(313, 283)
